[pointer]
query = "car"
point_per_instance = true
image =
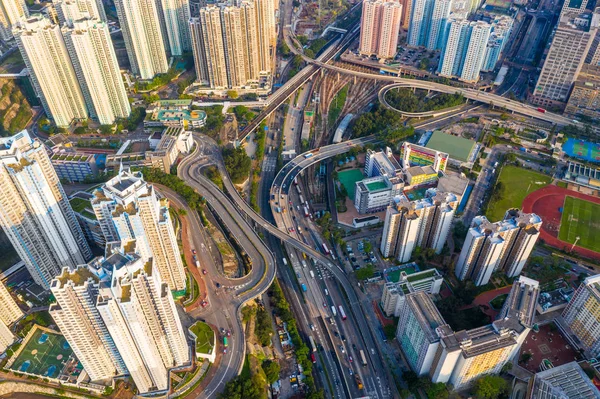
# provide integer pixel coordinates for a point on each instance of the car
(343, 338)
(312, 327)
(224, 350)
(194, 251)
(354, 346)
(342, 349)
(222, 331)
(324, 304)
(204, 271)
(291, 230)
(337, 334)
(229, 333)
(353, 259)
(351, 372)
(350, 359)
(218, 285)
(204, 304)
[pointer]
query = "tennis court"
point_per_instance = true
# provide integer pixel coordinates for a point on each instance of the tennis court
(44, 353)
(582, 149)
(348, 178)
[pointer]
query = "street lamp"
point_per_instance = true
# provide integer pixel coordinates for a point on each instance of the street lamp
(575, 243)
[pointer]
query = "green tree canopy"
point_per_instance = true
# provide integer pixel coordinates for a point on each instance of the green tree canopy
(237, 163)
(490, 387)
(271, 369)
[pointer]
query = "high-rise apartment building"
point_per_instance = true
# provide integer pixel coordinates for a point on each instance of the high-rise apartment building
(231, 44)
(501, 28)
(74, 10)
(433, 348)
(11, 11)
(570, 46)
(424, 223)
(6, 337)
(582, 316)
(406, 11)
(564, 381)
(464, 52)
(127, 209)
(9, 310)
(504, 245)
(428, 23)
(95, 62)
(35, 212)
(142, 30)
(176, 17)
(52, 74)
(429, 281)
(139, 312)
(585, 95)
(573, 7)
(379, 28)
(75, 313)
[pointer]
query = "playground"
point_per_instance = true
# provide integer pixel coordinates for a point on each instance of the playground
(43, 353)
(348, 178)
(582, 150)
(580, 222)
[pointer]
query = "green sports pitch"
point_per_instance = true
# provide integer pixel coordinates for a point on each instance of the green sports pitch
(581, 219)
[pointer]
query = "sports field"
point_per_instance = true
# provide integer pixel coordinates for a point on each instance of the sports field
(517, 183)
(44, 354)
(581, 219)
(582, 149)
(348, 178)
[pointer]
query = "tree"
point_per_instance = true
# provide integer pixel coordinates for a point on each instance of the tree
(368, 246)
(437, 391)
(490, 387)
(525, 357)
(365, 273)
(271, 369)
(232, 94)
(237, 163)
(390, 331)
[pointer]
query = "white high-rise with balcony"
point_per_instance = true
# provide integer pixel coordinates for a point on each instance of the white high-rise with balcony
(74, 10)
(75, 313)
(139, 312)
(52, 74)
(9, 310)
(141, 25)
(428, 22)
(35, 213)
(128, 209)
(95, 62)
(11, 11)
(176, 16)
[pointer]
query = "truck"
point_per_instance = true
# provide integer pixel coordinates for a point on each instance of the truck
(363, 358)
(542, 110)
(333, 311)
(359, 383)
(303, 287)
(225, 342)
(301, 199)
(342, 313)
(312, 343)
(325, 249)
(312, 274)
(523, 149)
(306, 214)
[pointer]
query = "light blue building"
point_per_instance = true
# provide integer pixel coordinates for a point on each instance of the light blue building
(427, 23)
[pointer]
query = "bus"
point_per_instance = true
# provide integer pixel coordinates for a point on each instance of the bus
(301, 199)
(312, 343)
(363, 358)
(225, 342)
(342, 313)
(325, 249)
(298, 189)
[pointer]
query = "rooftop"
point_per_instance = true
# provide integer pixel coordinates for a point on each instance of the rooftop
(376, 186)
(566, 381)
(426, 313)
(457, 147)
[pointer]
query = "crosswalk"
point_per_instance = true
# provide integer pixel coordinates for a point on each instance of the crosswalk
(270, 164)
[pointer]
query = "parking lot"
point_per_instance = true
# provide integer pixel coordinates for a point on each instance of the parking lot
(418, 58)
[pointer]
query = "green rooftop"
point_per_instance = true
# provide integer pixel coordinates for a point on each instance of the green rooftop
(421, 275)
(83, 207)
(457, 147)
(378, 185)
(205, 336)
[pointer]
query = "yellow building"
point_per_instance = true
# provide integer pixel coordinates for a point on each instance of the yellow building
(582, 316)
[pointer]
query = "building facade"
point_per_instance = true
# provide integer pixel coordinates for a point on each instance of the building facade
(128, 209)
(10, 312)
(416, 155)
(585, 95)
(52, 74)
(504, 245)
(11, 11)
(75, 313)
(570, 46)
(142, 30)
(380, 25)
(69, 11)
(582, 316)
(176, 16)
(35, 213)
(74, 166)
(424, 223)
(95, 62)
(394, 293)
(140, 315)
(428, 23)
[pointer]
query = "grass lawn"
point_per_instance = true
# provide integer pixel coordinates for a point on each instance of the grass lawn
(337, 104)
(580, 219)
(44, 354)
(205, 337)
(498, 301)
(518, 183)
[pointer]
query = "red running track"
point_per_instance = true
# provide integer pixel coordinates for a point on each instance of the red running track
(546, 202)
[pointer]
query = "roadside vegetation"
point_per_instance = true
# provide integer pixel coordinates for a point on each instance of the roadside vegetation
(15, 111)
(237, 163)
(386, 124)
(405, 99)
(336, 106)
